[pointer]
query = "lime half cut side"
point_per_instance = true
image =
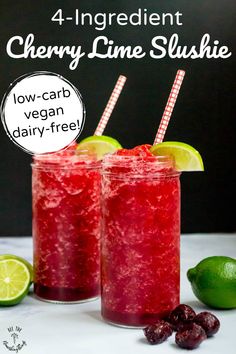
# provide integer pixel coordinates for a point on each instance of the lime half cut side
(187, 158)
(100, 145)
(12, 256)
(14, 281)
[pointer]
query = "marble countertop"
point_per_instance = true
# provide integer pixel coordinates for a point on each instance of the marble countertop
(78, 329)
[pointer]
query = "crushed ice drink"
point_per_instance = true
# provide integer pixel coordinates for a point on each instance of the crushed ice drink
(66, 226)
(140, 252)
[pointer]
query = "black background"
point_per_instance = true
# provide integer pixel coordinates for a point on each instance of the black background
(204, 115)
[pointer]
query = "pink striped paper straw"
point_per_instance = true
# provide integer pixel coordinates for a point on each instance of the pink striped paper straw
(169, 107)
(110, 105)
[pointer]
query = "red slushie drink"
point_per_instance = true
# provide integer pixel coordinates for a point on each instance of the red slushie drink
(140, 237)
(66, 226)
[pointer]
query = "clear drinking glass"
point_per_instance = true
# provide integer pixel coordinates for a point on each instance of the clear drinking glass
(140, 253)
(66, 226)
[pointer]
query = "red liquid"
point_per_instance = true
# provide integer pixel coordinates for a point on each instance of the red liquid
(140, 243)
(66, 228)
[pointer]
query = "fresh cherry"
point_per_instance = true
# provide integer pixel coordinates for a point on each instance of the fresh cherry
(181, 315)
(190, 336)
(208, 322)
(158, 333)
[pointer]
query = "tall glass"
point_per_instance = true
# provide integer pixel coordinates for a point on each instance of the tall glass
(66, 227)
(140, 251)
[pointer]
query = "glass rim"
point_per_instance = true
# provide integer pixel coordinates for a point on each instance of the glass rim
(160, 159)
(69, 160)
(159, 166)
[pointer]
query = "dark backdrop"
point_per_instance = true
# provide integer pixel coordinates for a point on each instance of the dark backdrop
(204, 115)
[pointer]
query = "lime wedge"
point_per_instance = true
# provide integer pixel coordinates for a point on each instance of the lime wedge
(186, 157)
(14, 281)
(12, 256)
(100, 145)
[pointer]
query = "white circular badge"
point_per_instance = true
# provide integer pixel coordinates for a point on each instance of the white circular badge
(42, 112)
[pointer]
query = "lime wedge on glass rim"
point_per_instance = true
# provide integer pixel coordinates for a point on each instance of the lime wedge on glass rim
(100, 145)
(187, 158)
(14, 282)
(12, 256)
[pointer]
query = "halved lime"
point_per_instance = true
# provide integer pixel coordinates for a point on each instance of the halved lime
(14, 281)
(186, 157)
(100, 145)
(12, 256)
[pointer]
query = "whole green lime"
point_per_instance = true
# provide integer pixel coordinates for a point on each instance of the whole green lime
(213, 281)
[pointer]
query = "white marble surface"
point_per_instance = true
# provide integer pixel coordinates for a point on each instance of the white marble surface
(79, 329)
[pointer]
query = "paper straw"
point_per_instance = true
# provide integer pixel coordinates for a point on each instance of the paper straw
(169, 107)
(110, 105)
